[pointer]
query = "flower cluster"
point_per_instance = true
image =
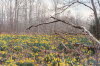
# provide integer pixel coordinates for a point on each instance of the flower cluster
(45, 50)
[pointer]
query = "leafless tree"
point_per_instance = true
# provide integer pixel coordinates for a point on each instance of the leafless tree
(16, 16)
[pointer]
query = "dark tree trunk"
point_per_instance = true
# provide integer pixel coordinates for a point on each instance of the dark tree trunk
(96, 19)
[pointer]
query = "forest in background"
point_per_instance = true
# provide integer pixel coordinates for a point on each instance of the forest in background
(17, 15)
(49, 32)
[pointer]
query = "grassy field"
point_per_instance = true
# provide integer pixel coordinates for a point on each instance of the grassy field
(45, 50)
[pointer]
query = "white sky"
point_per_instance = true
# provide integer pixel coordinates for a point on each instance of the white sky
(78, 10)
(81, 10)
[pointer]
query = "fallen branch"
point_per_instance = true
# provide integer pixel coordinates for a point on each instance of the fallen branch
(81, 45)
(72, 25)
(91, 36)
(70, 50)
(75, 26)
(80, 27)
(41, 24)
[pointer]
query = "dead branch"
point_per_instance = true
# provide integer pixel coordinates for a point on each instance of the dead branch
(85, 5)
(81, 45)
(75, 26)
(66, 7)
(57, 20)
(41, 24)
(70, 50)
(80, 27)
(72, 25)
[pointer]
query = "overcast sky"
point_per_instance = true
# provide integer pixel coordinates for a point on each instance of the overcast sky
(80, 10)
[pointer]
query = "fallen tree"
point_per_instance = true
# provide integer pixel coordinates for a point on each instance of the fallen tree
(72, 25)
(95, 48)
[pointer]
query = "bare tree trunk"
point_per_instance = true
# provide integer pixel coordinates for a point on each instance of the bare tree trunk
(30, 12)
(11, 18)
(25, 14)
(93, 8)
(16, 16)
(96, 19)
(1, 21)
(55, 13)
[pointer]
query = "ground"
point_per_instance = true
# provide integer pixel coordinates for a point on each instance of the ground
(46, 50)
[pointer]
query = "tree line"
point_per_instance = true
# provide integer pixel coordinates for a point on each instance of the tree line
(18, 15)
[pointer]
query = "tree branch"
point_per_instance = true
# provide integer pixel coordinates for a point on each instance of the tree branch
(85, 5)
(67, 6)
(80, 27)
(41, 24)
(75, 26)
(56, 20)
(72, 25)
(98, 2)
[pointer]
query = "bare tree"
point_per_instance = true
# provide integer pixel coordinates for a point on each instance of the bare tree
(10, 17)
(16, 16)
(30, 11)
(93, 8)
(1, 20)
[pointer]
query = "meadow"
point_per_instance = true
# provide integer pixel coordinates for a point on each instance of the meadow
(46, 50)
